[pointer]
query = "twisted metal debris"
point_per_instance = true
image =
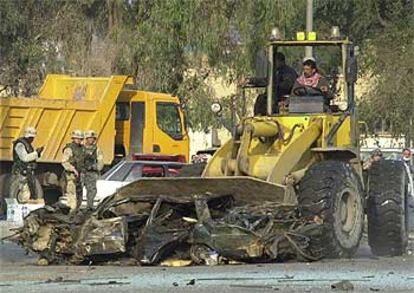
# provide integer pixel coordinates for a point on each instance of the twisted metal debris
(152, 229)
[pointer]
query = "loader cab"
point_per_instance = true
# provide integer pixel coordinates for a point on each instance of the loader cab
(335, 65)
(336, 62)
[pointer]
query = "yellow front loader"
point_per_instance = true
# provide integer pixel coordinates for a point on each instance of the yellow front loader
(307, 155)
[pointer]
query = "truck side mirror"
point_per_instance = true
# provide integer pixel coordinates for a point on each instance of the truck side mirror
(216, 108)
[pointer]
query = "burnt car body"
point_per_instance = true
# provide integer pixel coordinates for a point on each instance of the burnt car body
(126, 172)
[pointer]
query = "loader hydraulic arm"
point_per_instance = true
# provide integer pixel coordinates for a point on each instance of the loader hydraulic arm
(263, 151)
(262, 129)
(334, 129)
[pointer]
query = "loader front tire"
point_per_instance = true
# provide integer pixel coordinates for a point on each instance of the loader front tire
(387, 208)
(332, 191)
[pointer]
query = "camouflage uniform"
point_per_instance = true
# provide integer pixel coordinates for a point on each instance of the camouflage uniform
(72, 162)
(24, 164)
(368, 163)
(93, 165)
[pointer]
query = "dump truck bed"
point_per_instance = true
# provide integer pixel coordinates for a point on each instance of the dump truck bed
(64, 103)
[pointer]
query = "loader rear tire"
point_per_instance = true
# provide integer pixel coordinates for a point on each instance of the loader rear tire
(387, 208)
(332, 191)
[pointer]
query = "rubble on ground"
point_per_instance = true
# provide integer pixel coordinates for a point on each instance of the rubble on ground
(164, 230)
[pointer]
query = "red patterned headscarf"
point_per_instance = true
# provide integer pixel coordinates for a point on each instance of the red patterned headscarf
(309, 81)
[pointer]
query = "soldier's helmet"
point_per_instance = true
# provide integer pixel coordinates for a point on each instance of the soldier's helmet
(376, 152)
(90, 133)
(77, 134)
(30, 132)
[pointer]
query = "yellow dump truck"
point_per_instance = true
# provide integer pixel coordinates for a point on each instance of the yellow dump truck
(127, 121)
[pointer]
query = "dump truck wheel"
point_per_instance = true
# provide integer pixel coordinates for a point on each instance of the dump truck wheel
(387, 208)
(332, 191)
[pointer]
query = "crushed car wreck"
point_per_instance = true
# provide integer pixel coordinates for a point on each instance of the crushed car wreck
(200, 229)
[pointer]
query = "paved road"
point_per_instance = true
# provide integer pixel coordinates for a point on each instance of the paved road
(366, 273)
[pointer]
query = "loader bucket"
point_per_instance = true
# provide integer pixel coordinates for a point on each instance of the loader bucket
(243, 189)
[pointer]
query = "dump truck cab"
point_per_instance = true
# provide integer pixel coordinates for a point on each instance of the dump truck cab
(150, 123)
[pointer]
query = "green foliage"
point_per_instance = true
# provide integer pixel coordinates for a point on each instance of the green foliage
(197, 98)
(391, 61)
(384, 31)
(174, 45)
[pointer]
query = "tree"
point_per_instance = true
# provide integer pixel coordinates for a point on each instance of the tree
(178, 44)
(174, 46)
(157, 41)
(390, 59)
(383, 30)
(41, 36)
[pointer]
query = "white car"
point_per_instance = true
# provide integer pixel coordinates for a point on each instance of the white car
(128, 171)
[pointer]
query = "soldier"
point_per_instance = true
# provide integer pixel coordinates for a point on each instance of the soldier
(406, 158)
(24, 164)
(72, 162)
(93, 166)
(376, 155)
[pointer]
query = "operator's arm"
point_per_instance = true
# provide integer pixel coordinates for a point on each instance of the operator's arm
(295, 86)
(323, 85)
(67, 154)
(24, 155)
(99, 159)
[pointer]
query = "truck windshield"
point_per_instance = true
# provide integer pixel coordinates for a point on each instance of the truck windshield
(169, 120)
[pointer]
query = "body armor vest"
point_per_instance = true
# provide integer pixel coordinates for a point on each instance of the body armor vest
(18, 165)
(78, 155)
(91, 157)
